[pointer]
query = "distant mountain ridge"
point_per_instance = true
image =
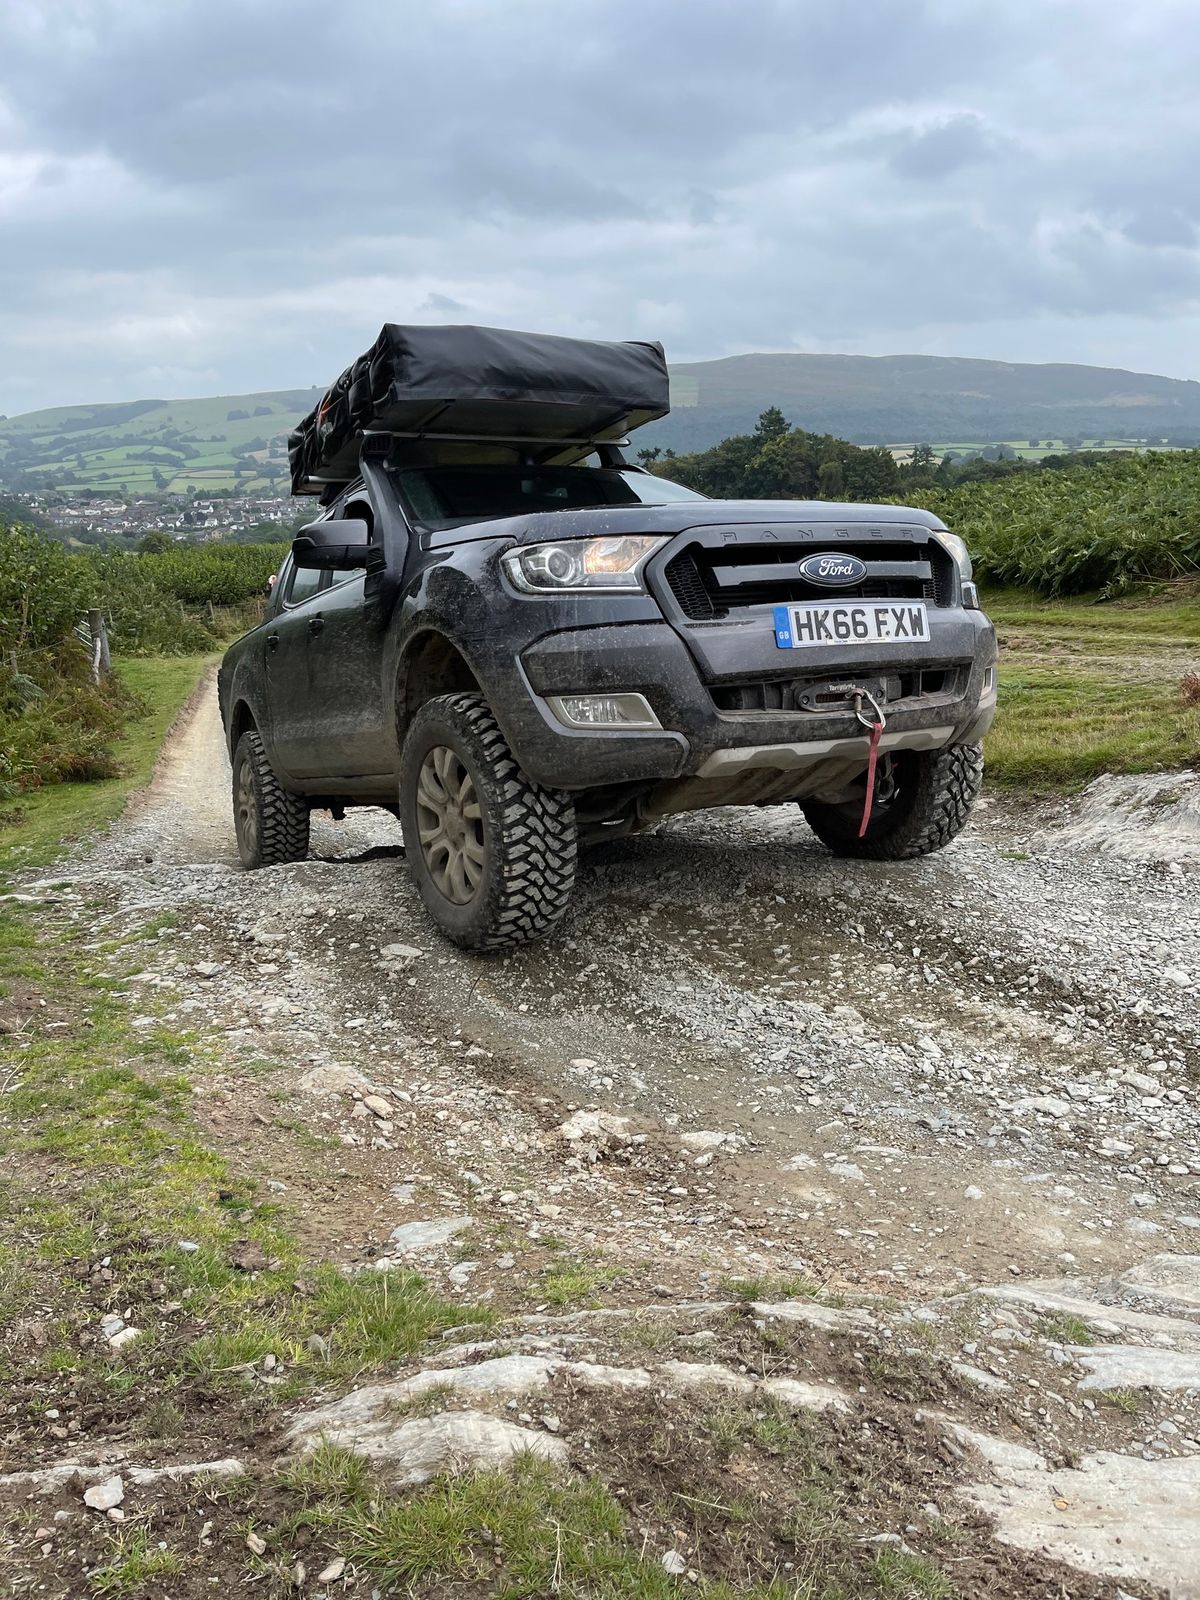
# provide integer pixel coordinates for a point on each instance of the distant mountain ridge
(907, 398)
(239, 441)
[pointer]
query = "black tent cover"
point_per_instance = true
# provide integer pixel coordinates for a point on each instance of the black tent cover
(425, 382)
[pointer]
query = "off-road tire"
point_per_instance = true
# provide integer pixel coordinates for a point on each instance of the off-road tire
(935, 791)
(270, 822)
(529, 836)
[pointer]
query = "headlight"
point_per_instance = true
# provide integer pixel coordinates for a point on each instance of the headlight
(601, 565)
(957, 548)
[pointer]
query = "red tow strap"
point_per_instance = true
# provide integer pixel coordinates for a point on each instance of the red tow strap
(872, 763)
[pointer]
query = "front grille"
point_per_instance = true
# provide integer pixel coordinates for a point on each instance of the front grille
(709, 584)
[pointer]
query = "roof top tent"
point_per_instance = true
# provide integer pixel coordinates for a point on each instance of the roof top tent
(434, 390)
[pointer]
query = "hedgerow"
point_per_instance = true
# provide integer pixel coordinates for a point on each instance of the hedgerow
(55, 723)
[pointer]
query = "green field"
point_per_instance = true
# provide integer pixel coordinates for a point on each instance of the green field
(156, 446)
(1088, 688)
(1024, 450)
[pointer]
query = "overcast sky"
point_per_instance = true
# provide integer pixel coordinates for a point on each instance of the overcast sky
(215, 196)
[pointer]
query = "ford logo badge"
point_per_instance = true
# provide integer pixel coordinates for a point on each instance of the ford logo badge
(833, 571)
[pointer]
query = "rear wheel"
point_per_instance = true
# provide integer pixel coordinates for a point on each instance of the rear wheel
(492, 853)
(923, 800)
(271, 823)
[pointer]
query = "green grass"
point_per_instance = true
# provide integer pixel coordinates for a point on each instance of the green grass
(790, 1286)
(1061, 1327)
(574, 1283)
(1090, 688)
(1130, 1402)
(34, 826)
(135, 1562)
(533, 1531)
(104, 1159)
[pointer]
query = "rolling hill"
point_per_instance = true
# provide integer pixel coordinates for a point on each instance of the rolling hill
(239, 441)
(225, 442)
(892, 399)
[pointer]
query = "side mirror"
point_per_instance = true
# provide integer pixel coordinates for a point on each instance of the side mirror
(332, 546)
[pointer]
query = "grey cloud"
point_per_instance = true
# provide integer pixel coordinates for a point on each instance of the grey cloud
(1160, 225)
(250, 190)
(958, 141)
(441, 302)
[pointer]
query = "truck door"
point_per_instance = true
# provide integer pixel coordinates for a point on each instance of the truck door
(290, 689)
(328, 666)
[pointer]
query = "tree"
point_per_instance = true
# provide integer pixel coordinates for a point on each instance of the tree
(772, 424)
(869, 474)
(154, 543)
(831, 480)
(785, 468)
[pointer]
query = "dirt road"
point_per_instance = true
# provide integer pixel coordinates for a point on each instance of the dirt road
(927, 1074)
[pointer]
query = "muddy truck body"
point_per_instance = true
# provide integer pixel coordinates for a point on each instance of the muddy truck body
(519, 643)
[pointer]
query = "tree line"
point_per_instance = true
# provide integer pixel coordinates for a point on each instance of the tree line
(781, 462)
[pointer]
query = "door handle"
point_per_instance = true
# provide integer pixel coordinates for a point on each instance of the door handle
(272, 641)
(315, 625)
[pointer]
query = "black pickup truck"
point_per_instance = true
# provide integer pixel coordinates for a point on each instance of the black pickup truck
(502, 632)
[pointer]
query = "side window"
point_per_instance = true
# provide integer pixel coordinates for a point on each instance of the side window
(302, 584)
(344, 577)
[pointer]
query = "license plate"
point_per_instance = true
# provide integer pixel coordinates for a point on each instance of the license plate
(857, 622)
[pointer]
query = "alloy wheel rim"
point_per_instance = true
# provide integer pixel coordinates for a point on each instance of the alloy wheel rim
(247, 809)
(450, 825)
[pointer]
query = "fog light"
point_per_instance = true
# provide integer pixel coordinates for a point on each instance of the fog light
(603, 711)
(989, 679)
(970, 597)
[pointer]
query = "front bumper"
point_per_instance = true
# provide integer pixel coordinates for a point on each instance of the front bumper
(683, 678)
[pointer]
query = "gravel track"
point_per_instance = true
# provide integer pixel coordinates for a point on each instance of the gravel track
(931, 1073)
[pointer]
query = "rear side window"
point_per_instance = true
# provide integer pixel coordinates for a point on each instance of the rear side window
(302, 584)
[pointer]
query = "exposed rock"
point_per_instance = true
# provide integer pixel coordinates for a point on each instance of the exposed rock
(1167, 1277)
(814, 1314)
(704, 1140)
(1131, 817)
(106, 1494)
(1051, 1298)
(604, 1129)
(1125, 1366)
(503, 1375)
(410, 1238)
(800, 1396)
(980, 1378)
(422, 1447)
(45, 1479)
(1044, 1105)
(704, 1376)
(1114, 1515)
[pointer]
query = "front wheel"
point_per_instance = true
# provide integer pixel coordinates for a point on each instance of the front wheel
(492, 853)
(923, 800)
(270, 822)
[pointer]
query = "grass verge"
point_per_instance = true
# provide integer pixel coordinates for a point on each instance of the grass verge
(36, 824)
(113, 1202)
(1089, 688)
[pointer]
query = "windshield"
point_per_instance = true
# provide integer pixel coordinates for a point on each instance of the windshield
(443, 497)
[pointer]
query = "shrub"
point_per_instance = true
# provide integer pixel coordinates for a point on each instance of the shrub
(1111, 526)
